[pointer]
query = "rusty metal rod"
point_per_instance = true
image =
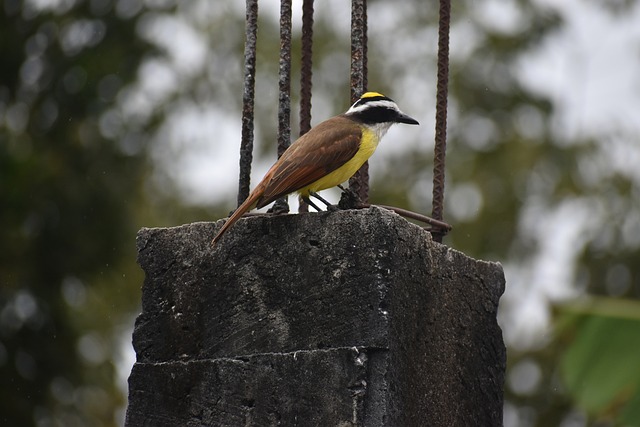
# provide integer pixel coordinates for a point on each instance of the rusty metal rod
(284, 91)
(359, 183)
(306, 73)
(441, 225)
(248, 97)
(284, 78)
(441, 113)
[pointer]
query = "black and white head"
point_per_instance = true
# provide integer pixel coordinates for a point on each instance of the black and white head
(374, 107)
(378, 112)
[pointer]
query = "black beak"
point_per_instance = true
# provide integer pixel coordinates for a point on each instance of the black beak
(403, 118)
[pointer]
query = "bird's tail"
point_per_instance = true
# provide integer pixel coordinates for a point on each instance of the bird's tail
(246, 206)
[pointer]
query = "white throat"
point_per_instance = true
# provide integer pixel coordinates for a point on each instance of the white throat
(380, 129)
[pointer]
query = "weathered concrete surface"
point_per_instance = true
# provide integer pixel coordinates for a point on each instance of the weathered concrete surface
(350, 318)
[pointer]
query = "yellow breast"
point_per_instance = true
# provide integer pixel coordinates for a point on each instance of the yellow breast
(369, 143)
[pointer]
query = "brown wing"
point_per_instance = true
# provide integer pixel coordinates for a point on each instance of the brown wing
(320, 151)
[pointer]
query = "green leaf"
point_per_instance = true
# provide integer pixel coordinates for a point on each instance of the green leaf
(601, 367)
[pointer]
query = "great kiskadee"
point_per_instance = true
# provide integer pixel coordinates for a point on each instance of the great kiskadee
(327, 155)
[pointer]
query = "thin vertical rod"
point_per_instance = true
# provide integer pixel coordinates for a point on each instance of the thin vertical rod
(248, 97)
(284, 90)
(306, 66)
(284, 78)
(306, 75)
(441, 114)
(359, 183)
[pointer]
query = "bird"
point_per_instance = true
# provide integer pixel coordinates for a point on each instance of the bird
(326, 156)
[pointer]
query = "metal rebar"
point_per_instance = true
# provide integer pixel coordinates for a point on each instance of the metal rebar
(284, 78)
(284, 90)
(359, 182)
(441, 114)
(306, 66)
(441, 226)
(306, 73)
(248, 97)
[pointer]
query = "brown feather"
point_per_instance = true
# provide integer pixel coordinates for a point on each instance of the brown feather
(317, 153)
(246, 206)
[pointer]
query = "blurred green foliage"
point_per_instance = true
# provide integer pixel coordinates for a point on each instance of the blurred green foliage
(70, 208)
(81, 169)
(600, 364)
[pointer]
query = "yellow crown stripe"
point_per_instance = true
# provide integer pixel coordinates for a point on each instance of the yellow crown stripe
(371, 95)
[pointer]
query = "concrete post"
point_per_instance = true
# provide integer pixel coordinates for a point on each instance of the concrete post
(348, 318)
